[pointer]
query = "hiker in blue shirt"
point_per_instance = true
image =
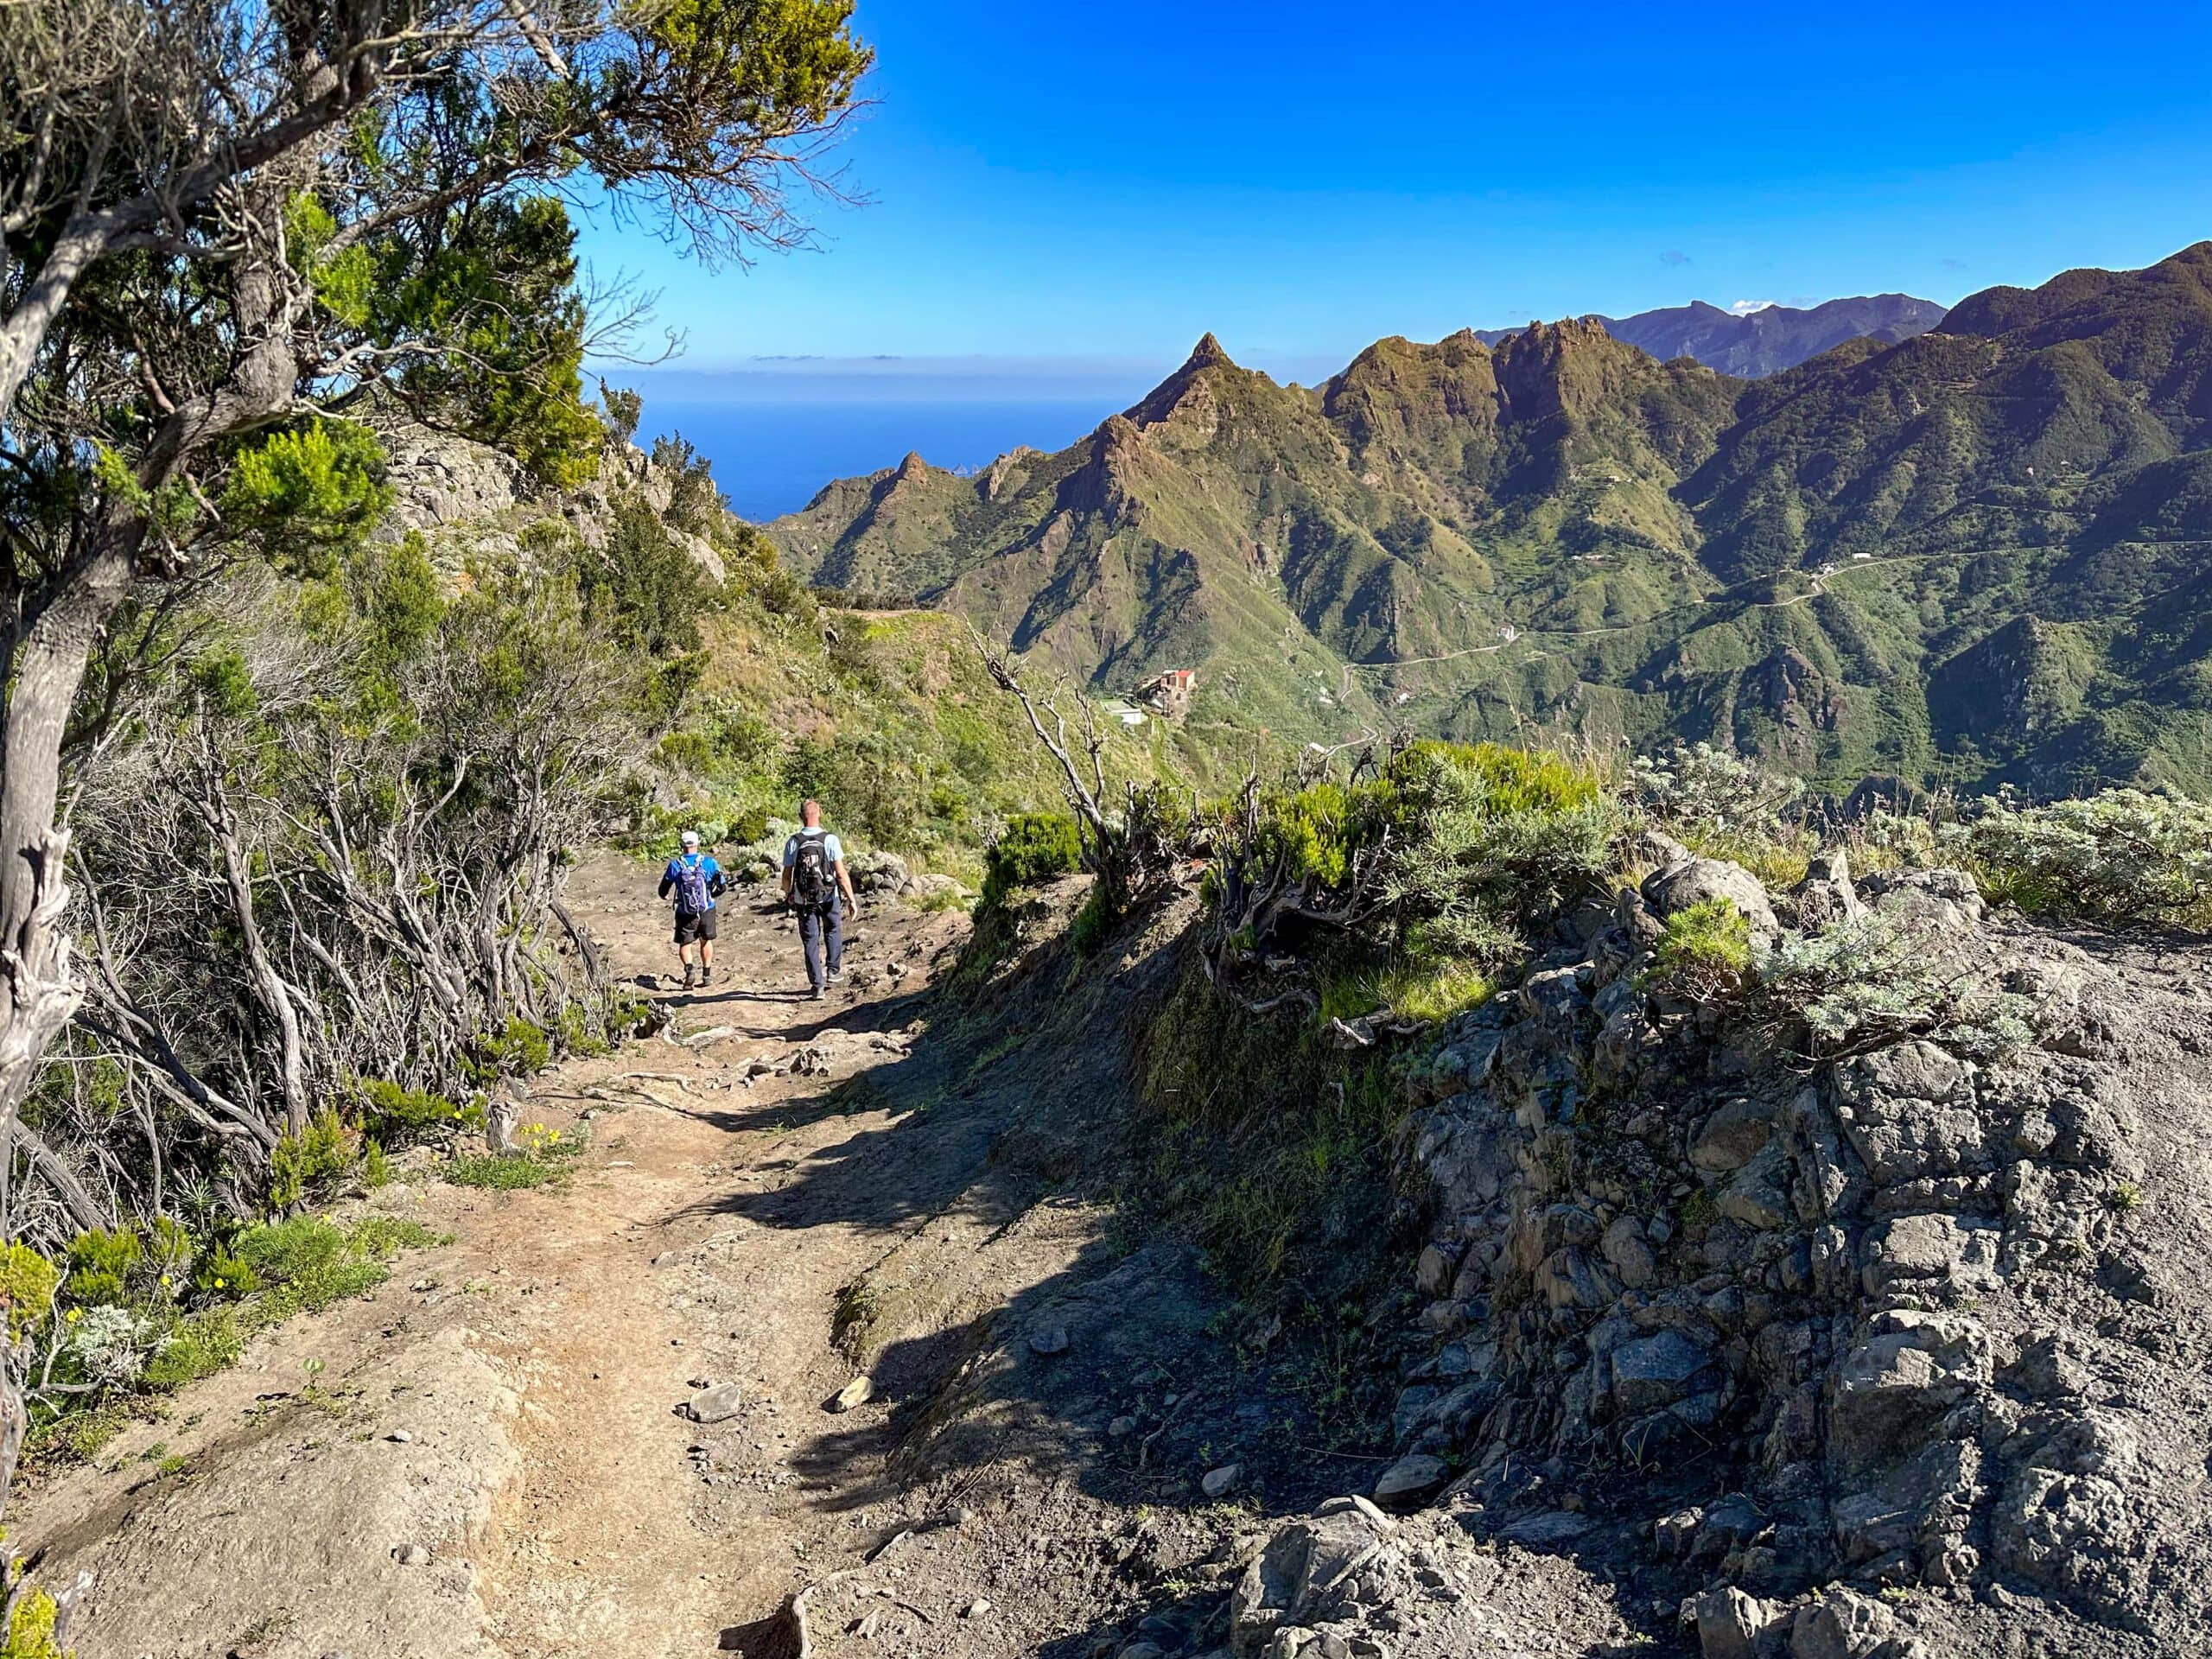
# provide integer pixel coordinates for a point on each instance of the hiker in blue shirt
(695, 879)
(814, 879)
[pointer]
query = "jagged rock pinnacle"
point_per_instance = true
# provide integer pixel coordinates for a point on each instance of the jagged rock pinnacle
(1207, 353)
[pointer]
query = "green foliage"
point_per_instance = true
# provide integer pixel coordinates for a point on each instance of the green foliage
(224, 1275)
(27, 1283)
(620, 409)
(305, 495)
(2120, 855)
(306, 1263)
(1708, 791)
(517, 1051)
(498, 282)
(1706, 949)
(1269, 1148)
(317, 1162)
(397, 1116)
(644, 584)
(1032, 848)
(223, 683)
(1092, 921)
(101, 1265)
(1427, 991)
(1862, 984)
(30, 1629)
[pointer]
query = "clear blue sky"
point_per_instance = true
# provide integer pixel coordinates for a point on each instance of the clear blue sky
(1110, 181)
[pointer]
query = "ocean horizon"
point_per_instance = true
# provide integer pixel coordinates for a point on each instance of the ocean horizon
(773, 457)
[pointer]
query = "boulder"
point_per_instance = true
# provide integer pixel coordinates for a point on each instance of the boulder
(1658, 1371)
(1732, 1136)
(1729, 1623)
(1623, 1246)
(1411, 1481)
(1841, 1624)
(1297, 1577)
(1674, 890)
(1826, 898)
(1914, 1378)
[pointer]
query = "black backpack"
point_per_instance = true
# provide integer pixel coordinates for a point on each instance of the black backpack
(811, 876)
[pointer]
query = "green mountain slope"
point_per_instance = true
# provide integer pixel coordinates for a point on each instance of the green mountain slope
(1974, 555)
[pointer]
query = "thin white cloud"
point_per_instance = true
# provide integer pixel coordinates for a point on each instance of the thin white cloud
(1745, 308)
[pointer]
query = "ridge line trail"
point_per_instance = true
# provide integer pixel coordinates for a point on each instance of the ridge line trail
(698, 1244)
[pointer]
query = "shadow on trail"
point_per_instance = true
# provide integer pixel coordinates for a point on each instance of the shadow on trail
(1028, 1322)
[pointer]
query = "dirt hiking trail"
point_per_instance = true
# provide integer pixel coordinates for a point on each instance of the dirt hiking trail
(486, 1456)
(832, 1302)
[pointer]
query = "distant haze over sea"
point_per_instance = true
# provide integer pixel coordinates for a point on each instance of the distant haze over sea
(778, 429)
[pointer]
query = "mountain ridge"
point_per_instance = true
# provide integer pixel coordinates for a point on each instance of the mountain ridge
(1564, 530)
(1768, 341)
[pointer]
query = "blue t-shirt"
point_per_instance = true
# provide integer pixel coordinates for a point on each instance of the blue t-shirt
(710, 872)
(831, 846)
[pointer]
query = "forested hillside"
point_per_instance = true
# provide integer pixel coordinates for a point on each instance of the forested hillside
(1972, 557)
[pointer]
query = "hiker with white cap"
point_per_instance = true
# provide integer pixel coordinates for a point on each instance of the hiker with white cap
(695, 879)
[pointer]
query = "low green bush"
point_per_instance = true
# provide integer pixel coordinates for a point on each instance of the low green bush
(101, 1265)
(317, 1163)
(1872, 982)
(1032, 848)
(516, 1051)
(398, 1116)
(1706, 949)
(2120, 855)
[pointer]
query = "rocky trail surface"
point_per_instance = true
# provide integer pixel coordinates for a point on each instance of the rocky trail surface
(827, 1308)
(609, 1416)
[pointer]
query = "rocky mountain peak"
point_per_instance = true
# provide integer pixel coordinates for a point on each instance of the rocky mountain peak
(1208, 353)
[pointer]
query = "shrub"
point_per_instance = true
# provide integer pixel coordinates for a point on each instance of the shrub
(1884, 978)
(516, 1051)
(1034, 847)
(225, 1275)
(1699, 788)
(109, 1346)
(30, 1630)
(197, 1346)
(28, 1283)
(2119, 855)
(1706, 950)
(1444, 858)
(317, 1162)
(101, 1265)
(398, 1116)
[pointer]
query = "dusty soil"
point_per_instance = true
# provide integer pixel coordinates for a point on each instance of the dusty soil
(486, 1458)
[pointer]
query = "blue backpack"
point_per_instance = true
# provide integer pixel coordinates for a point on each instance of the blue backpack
(691, 895)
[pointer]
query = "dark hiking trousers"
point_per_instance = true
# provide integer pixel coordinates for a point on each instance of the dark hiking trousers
(812, 923)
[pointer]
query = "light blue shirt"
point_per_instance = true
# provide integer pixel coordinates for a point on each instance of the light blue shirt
(831, 845)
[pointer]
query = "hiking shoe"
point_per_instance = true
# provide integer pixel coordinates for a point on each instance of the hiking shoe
(820, 992)
(690, 980)
(836, 974)
(706, 977)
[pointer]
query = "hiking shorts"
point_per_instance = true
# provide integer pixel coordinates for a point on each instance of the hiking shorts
(690, 927)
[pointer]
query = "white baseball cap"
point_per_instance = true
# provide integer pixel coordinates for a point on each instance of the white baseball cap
(691, 837)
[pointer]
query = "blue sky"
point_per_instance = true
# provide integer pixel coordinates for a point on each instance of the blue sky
(1105, 184)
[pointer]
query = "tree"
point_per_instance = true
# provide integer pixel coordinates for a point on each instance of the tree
(238, 236)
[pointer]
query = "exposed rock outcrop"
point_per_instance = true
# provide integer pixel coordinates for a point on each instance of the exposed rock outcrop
(1899, 1304)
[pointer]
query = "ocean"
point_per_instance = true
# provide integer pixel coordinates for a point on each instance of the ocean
(772, 458)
